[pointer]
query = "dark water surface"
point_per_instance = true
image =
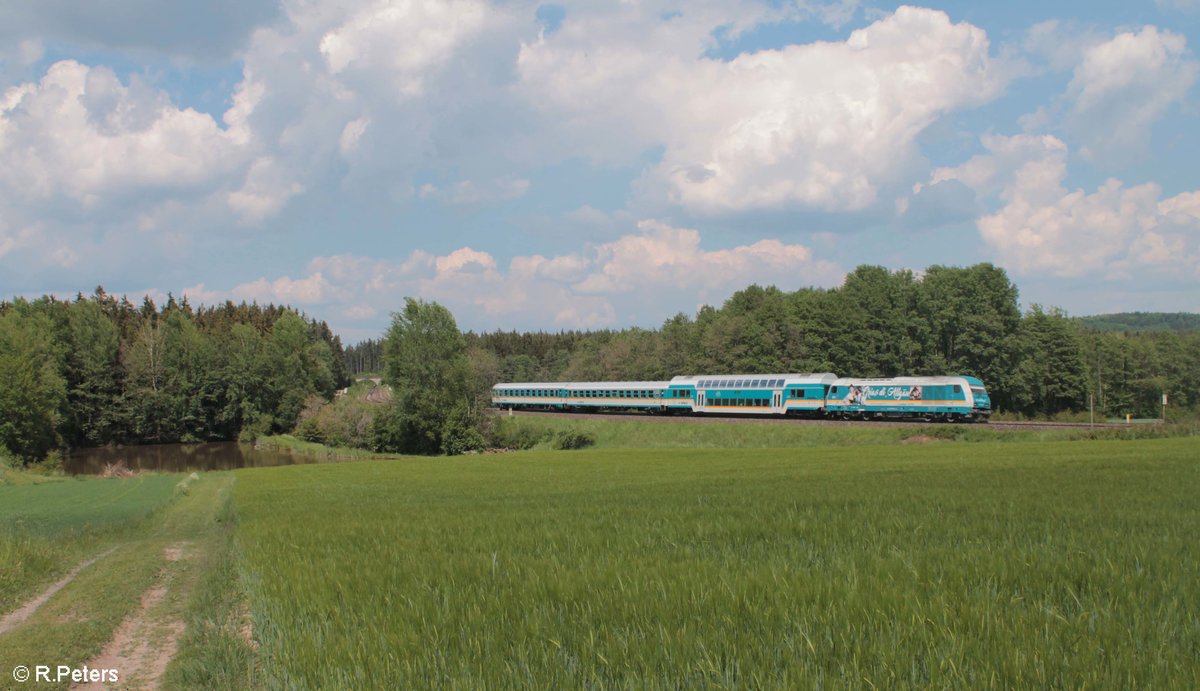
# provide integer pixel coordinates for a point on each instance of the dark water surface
(173, 458)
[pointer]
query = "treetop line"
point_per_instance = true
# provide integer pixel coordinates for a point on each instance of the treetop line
(97, 369)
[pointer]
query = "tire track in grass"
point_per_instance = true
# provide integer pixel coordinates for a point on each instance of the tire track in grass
(18, 616)
(146, 641)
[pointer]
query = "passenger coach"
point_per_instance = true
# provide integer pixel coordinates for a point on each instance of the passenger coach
(815, 395)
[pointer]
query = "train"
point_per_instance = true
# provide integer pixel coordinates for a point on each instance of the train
(815, 395)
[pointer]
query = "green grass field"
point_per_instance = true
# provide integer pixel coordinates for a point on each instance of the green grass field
(118, 531)
(45, 528)
(1055, 564)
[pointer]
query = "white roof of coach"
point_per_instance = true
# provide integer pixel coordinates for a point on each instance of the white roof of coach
(585, 385)
(900, 381)
(793, 378)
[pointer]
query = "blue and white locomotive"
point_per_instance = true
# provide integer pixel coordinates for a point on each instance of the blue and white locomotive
(812, 395)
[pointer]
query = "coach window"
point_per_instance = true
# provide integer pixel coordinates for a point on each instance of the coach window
(957, 388)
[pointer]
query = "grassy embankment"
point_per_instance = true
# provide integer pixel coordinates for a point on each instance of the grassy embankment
(648, 433)
(287, 442)
(126, 525)
(962, 565)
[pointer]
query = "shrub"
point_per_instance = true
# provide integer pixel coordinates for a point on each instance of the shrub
(9, 461)
(569, 439)
(511, 436)
(50, 465)
(308, 430)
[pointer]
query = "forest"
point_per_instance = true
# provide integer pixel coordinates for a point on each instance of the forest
(99, 370)
(946, 320)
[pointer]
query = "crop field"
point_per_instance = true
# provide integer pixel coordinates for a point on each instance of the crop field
(1054, 564)
(46, 527)
(79, 504)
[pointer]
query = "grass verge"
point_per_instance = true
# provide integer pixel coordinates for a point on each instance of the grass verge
(216, 650)
(287, 442)
(74, 625)
(632, 432)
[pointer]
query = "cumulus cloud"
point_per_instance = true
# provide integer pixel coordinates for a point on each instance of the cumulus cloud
(91, 165)
(368, 40)
(821, 125)
(81, 134)
(1120, 86)
(642, 277)
(365, 100)
(1043, 227)
(208, 30)
(1123, 86)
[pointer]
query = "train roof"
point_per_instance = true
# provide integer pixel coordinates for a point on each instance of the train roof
(587, 385)
(792, 378)
(903, 381)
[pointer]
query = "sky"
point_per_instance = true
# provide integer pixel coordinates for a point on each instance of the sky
(586, 165)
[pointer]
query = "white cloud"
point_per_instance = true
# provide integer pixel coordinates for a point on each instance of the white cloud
(404, 40)
(80, 134)
(641, 277)
(821, 125)
(310, 290)
(208, 30)
(1123, 86)
(1043, 227)
(267, 187)
(988, 173)
(351, 133)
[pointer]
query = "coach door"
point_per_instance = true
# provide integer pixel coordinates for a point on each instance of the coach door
(699, 399)
(776, 401)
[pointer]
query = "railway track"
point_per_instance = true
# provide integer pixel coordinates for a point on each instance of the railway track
(687, 419)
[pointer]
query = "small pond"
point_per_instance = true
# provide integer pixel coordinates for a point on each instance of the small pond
(177, 458)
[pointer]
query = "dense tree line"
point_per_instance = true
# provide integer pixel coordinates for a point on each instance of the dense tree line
(99, 370)
(880, 323)
(365, 357)
(1143, 321)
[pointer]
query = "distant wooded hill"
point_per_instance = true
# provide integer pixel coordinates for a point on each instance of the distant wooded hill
(1142, 321)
